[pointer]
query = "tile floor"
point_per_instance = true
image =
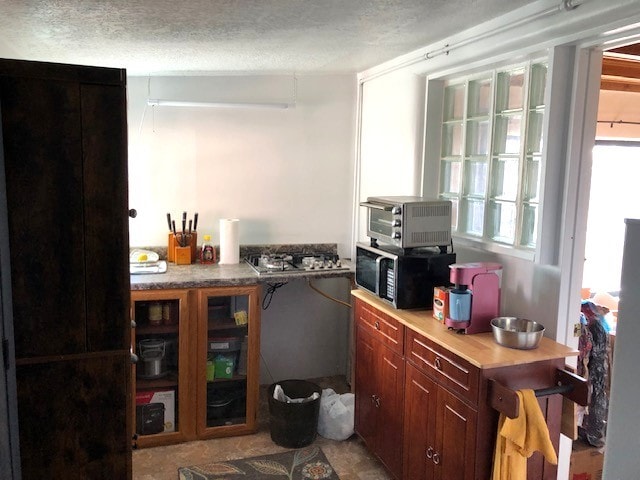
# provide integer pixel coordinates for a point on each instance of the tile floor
(349, 458)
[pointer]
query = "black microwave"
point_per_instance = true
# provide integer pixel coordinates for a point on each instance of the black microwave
(403, 279)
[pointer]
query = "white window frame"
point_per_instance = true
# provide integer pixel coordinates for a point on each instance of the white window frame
(485, 240)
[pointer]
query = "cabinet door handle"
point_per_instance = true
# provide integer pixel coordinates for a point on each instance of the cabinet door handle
(430, 452)
(377, 325)
(438, 363)
(436, 458)
(134, 358)
(133, 324)
(373, 399)
(376, 400)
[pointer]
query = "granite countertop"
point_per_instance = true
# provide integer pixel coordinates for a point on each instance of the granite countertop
(198, 275)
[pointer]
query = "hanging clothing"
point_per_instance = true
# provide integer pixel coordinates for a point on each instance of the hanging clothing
(519, 437)
(593, 364)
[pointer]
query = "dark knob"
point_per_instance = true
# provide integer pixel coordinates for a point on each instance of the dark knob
(396, 223)
(396, 235)
(396, 210)
(133, 213)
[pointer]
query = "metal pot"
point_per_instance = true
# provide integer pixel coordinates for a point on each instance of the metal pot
(152, 355)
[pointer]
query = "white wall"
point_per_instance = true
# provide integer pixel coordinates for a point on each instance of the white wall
(391, 138)
(287, 174)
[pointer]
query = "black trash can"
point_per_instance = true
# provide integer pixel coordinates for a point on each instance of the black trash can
(294, 425)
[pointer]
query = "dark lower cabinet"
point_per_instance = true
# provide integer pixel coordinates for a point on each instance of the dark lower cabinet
(440, 431)
(424, 410)
(64, 153)
(379, 384)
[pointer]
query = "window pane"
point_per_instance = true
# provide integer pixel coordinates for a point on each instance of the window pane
(507, 134)
(454, 213)
(492, 142)
(450, 177)
(529, 226)
(477, 138)
(531, 190)
(479, 98)
(472, 216)
(538, 85)
(510, 91)
(504, 179)
(452, 140)
(502, 222)
(454, 102)
(534, 133)
(475, 178)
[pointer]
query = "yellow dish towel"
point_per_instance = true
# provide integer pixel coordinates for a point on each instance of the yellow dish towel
(519, 437)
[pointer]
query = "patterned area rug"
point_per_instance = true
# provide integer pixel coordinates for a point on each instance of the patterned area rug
(306, 463)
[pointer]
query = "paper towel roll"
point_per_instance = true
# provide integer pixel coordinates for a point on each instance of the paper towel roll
(229, 241)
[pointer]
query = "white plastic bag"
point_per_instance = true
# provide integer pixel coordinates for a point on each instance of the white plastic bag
(335, 420)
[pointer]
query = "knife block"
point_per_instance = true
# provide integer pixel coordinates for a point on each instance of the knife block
(193, 243)
(171, 245)
(182, 255)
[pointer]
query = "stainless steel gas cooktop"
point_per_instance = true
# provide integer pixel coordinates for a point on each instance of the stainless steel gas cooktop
(291, 263)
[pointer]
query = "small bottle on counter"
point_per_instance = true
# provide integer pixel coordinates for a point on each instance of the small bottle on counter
(208, 253)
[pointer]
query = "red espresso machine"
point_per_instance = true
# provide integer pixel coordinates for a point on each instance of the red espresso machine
(475, 298)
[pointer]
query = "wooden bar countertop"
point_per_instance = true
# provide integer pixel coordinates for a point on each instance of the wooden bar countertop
(480, 349)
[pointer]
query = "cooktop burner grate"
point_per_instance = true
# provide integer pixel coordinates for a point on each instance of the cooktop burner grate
(287, 263)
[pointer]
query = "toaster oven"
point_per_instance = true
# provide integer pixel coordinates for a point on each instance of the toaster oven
(408, 222)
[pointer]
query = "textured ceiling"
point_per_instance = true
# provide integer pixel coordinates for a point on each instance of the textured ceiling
(275, 36)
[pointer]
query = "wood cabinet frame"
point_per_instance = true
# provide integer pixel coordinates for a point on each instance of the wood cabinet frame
(449, 426)
(185, 387)
(253, 358)
(192, 353)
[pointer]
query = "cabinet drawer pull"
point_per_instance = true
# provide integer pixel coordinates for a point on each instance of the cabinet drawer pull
(438, 363)
(377, 401)
(436, 458)
(377, 325)
(430, 452)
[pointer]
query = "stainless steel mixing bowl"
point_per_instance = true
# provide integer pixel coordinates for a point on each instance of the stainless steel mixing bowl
(514, 332)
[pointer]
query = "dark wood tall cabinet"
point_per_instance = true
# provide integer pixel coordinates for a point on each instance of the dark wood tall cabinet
(64, 145)
(379, 384)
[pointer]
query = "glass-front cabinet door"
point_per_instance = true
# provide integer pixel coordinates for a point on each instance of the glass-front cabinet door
(227, 365)
(160, 339)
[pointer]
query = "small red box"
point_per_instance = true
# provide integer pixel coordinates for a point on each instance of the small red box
(440, 303)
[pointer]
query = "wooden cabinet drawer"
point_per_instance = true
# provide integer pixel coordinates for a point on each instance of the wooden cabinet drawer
(445, 367)
(383, 327)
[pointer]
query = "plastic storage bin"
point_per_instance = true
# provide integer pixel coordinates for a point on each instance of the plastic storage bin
(294, 425)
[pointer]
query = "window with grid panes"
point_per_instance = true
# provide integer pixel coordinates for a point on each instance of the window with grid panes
(491, 153)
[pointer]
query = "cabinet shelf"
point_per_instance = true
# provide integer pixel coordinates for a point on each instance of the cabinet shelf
(168, 381)
(235, 378)
(226, 324)
(157, 329)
